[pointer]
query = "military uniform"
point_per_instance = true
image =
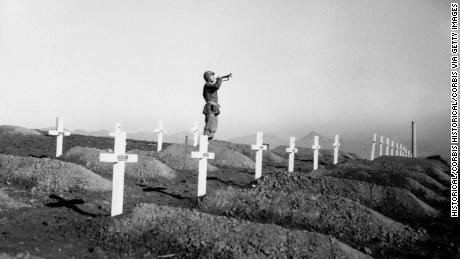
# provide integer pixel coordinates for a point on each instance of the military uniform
(212, 108)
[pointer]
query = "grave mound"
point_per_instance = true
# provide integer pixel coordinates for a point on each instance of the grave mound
(409, 162)
(426, 172)
(16, 130)
(49, 175)
(146, 168)
(393, 202)
(227, 155)
(385, 177)
(437, 173)
(438, 160)
(274, 159)
(246, 150)
(9, 203)
(268, 156)
(348, 221)
(160, 230)
(178, 157)
(241, 148)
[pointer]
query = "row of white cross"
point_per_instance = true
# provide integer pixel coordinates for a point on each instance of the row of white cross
(60, 133)
(204, 155)
(393, 149)
(119, 158)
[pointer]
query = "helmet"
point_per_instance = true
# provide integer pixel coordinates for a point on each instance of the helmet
(207, 75)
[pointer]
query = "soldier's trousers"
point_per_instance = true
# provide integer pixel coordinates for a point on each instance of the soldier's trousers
(211, 125)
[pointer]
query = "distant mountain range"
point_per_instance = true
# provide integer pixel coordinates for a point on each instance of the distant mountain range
(307, 140)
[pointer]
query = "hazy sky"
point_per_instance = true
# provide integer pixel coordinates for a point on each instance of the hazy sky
(350, 67)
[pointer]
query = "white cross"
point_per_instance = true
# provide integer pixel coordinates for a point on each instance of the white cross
(196, 131)
(401, 150)
(60, 133)
(396, 149)
(119, 157)
(381, 146)
(160, 131)
(315, 147)
(373, 146)
(387, 147)
(392, 148)
(291, 150)
(336, 146)
(260, 147)
(203, 155)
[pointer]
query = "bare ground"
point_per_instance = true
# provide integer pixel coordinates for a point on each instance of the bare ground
(390, 221)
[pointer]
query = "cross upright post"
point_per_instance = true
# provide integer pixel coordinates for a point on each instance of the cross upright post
(291, 150)
(336, 146)
(260, 147)
(373, 146)
(315, 148)
(203, 155)
(392, 148)
(387, 147)
(160, 131)
(119, 157)
(381, 146)
(60, 133)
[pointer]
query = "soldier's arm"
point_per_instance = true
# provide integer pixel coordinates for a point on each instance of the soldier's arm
(216, 85)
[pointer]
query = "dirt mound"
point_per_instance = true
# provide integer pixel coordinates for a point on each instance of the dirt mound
(426, 172)
(241, 148)
(146, 168)
(164, 230)
(13, 130)
(385, 177)
(274, 159)
(229, 157)
(179, 157)
(438, 159)
(348, 221)
(8, 203)
(245, 150)
(437, 173)
(394, 202)
(49, 175)
(424, 193)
